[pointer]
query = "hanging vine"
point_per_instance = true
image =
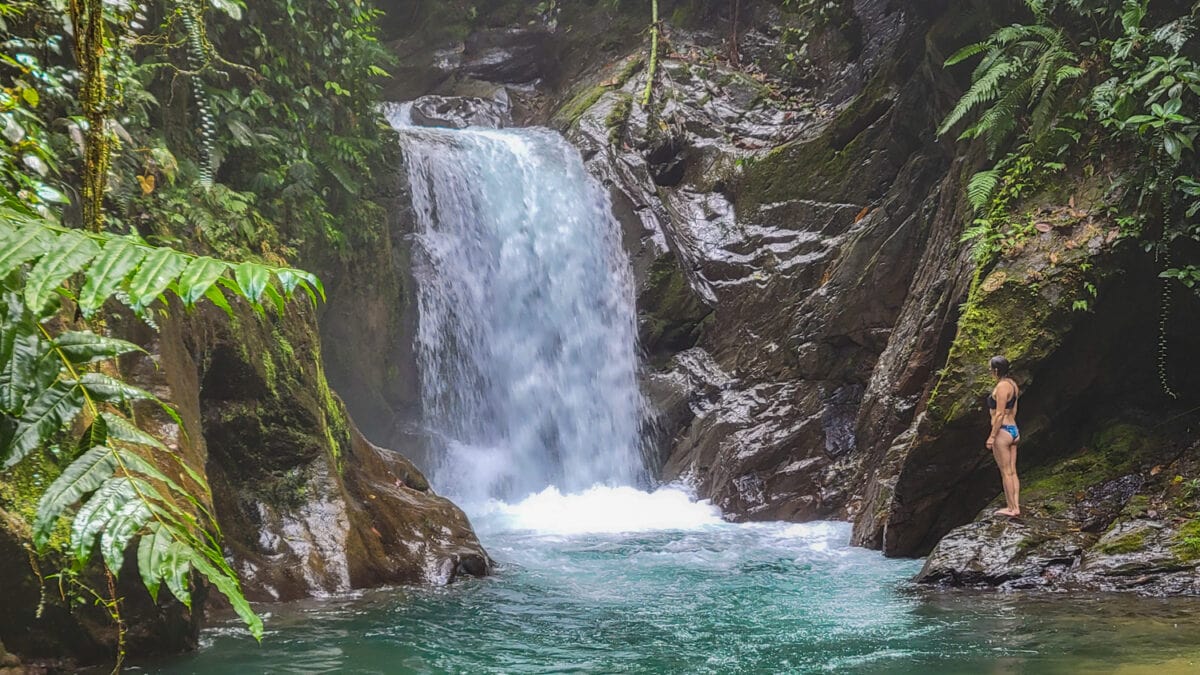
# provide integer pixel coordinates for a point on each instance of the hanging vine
(192, 19)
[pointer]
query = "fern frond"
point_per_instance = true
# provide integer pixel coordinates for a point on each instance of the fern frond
(983, 90)
(50, 385)
(967, 52)
(1067, 72)
(981, 187)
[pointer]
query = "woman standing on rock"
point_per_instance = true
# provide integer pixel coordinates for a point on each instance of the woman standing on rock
(1002, 441)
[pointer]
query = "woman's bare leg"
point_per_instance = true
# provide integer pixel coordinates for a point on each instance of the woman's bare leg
(1000, 451)
(1016, 480)
(1005, 451)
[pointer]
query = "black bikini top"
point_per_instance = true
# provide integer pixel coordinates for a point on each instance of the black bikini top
(1012, 402)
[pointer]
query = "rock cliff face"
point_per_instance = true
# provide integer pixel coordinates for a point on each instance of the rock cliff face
(815, 331)
(309, 506)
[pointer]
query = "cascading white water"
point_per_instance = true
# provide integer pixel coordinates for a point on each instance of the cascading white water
(527, 337)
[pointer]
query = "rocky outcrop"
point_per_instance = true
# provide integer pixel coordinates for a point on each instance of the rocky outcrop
(308, 506)
(778, 238)
(1118, 515)
(460, 112)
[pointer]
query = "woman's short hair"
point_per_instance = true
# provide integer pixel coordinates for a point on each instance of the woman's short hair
(1000, 365)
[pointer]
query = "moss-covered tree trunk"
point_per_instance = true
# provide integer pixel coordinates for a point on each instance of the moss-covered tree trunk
(87, 23)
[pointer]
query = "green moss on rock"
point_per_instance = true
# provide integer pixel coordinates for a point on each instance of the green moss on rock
(1115, 450)
(672, 315)
(20, 489)
(838, 165)
(1186, 542)
(1023, 309)
(618, 117)
(583, 100)
(1128, 543)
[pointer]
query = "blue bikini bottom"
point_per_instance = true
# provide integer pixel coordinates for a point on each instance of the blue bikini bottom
(1012, 431)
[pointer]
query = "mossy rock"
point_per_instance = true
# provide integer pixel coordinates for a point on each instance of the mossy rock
(1023, 309)
(1186, 542)
(851, 159)
(1115, 450)
(671, 316)
(20, 489)
(583, 98)
(1127, 543)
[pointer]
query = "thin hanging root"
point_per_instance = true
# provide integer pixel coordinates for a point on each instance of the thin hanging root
(1163, 313)
(1164, 310)
(191, 22)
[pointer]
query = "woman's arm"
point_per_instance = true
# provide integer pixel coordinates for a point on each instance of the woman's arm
(1003, 393)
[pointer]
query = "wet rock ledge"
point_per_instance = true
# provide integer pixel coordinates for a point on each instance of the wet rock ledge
(1119, 515)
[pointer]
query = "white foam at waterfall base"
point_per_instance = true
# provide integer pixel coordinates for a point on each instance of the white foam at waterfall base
(602, 510)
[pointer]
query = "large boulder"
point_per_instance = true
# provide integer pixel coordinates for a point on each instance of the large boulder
(459, 112)
(307, 505)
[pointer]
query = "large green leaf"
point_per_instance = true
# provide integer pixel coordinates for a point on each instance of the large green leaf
(217, 297)
(11, 402)
(67, 256)
(293, 279)
(252, 278)
(227, 584)
(156, 273)
(83, 476)
(120, 257)
(199, 277)
(122, 429)
(95, 434)
(26, 372)
(53, 409)
(95, 513)
(175, 568)
(21, 348)
(22, 245)
(152, 550)
(120, 531)
(111, 390)
(83, 347)
(134, 463)
(276, 298)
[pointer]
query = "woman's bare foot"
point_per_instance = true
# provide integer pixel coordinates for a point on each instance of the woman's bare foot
(1007, 512)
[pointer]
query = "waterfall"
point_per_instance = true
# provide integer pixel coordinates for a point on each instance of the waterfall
(526, 343)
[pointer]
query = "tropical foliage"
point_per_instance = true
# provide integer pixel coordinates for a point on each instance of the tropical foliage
(116, 190)
(123, 483)
(1113, 83)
